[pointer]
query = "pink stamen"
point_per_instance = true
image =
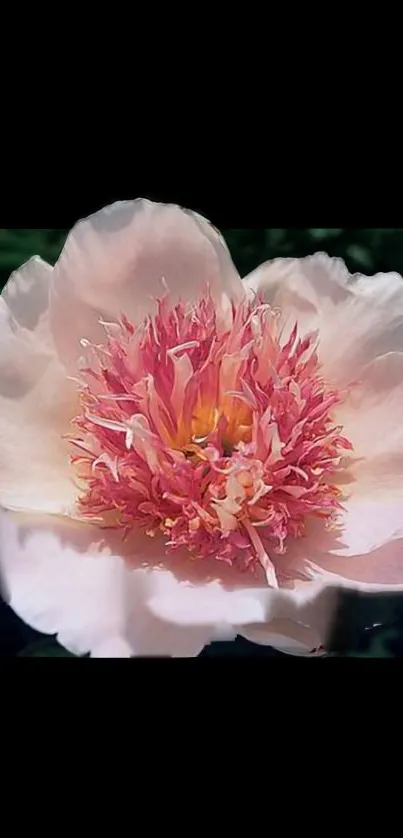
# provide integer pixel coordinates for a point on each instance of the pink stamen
(214, 431)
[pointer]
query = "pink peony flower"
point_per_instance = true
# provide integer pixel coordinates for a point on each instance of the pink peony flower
(186, 457)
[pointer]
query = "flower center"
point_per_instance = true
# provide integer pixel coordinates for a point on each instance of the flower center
(213, 430)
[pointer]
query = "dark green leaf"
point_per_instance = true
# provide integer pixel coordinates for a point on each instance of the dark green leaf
(321, 233)
(361, 255)
(45, 649)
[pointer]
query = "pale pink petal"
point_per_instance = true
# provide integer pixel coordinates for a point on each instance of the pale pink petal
(69, 579)
(303, 621)
(301, 288)
(53, 584)
(27, 292)
(188, 593)
(358, 317)
(114, 647)
(308, 619)
(285, 636)
(372, 485)
(380, 569)
(36, 404)
(364, 552)
(370, 522)
(370, 324)
(372, 417)
(122, 258)
(206, 603)
(204, 592)
(63, 578)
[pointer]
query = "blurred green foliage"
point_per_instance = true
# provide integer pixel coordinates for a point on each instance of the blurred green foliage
(17, 246)
(364, 250)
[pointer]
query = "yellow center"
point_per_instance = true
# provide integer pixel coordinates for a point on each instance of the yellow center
(191, 436)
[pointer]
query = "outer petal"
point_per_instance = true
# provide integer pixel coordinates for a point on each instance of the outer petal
(186, 593)
(286, 636)
(301, 288)
(360, 555)
(372, 417)
(309, 616)
(36, 401)
(358, 319)
(379, 570)
(63, 578)
(26, 293)
(304, 621)
(68, 579)
(319, 293)
(115, 261)
(372, 420)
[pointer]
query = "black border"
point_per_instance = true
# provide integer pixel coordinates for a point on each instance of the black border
(241, 158)
(238, 176)
(268, 697)
(42, 203)
(236, 723)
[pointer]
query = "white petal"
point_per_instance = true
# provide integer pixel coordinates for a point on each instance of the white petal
(121, 259)
(114, 647)
(36, 404)
(64, 578)
(370, 324)
(68, 579)
(208, 603)
(378, 570)
(301, 288)
(285, 636)
(372, 417)
(369, 523)
(54, 586)
(212, 594)
(27, 292)
(188, 592)
(358, 317)
(372, 484)
(303, 620)
(364, 554)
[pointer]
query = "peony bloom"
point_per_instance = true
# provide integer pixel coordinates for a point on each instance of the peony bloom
(185, 456)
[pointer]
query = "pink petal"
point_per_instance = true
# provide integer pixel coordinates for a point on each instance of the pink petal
(118, 260)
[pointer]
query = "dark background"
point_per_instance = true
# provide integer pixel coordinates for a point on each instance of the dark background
(364, 250)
